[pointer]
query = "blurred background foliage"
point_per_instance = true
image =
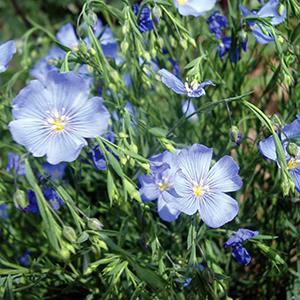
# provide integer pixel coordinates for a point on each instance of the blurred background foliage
(137, 256)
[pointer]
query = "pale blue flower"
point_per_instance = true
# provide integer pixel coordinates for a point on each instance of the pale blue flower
(194, 8)
(16, 164)
(188, 108)
(7, 50)
(55, 117)
(159, 185)
(290, 133)
(194, 89)
(201, 188)
(271, 11)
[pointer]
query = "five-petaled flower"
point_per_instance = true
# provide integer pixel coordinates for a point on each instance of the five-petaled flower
(201, 188)
(235, 241)
(289, 134)
(7, 50)
(160, 185)
(271, 11)
(53, 118)
(194, 89)
(194, 8)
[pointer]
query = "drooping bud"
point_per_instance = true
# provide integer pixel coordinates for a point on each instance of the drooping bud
(69, 234)
(94, 224)
(292, 149)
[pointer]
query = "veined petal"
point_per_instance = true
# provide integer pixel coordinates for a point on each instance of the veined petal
(66, 35)
(64, 147)
(217, 209)
(149, 192)
(172, 82)
(92, 119)
(291, 130)
(267, 148)
(223, 176)
(7, 50)
(194, 7)
(195, 162)
(270, 9)
(167, 211)
(296, 176)
(31, 102)
(262, 38)
(32, 134)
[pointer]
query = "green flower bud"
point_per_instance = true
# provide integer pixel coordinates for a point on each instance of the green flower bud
(147, 56)
(280, 39)
(292, 149)
(281, 9)
(183, 44)
(157, 13)
(94, 224)
(20, 199)
(92, 51)
(124, 46)
(69, 234)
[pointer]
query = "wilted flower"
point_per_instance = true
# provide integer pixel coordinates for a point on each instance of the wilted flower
(290, 134)
(160, 185)
(7, 50)
(16, 164)
(97, 155)
(235, 241)
(54, 119)
(56, 172)
(195, 89)
(53, 198)
(271, 11)
(203, 189)
(217, 23)
(224, 46)
(194, 8)
(145, 22)
(24, 260)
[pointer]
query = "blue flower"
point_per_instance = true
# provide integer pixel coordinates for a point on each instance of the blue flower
(55, 172)
(54, 119)
(145, 22)
(7, 50)
(24, 260)
(15, 163)
(217, 23)
(188, 108)
(3, 211)
(97, 155)
(159, 185)
(235, 241)
(271, 11)
(54, 199)
(50, 195)
(195, 89)
(290, 133)
(203, 189)
(194, 8)
(224, 46)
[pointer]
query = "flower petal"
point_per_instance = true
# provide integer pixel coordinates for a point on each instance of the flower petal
(7, 50)
(172, 82)
(296, 176)
(90, 120)
(217, 209)
(67, 36)
(223, 176)
(167, 211)
(267, 148)
(149, 190)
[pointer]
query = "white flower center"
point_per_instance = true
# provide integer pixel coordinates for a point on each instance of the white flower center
(57, 121)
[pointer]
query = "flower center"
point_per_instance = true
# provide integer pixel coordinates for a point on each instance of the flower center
(182, 2)
(293, 164)
(163, 186)
(58, 124)
(199, 189)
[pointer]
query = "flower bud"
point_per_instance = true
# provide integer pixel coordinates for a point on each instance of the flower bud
(20, 199)
(124, 46)
(92, 51)
(94, 224)
(292, 149)
(280, 39)
(157, 13)
(281, 9)
(147, 56)
(235, 135)
(183, 44)
(69, 234)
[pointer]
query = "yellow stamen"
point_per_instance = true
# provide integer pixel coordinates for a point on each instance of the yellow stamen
(58, 124)
(182, 2)
(198, 190)
(293, 164)
(163, 186)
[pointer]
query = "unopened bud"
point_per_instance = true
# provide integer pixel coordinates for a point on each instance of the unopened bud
(292, 149)
(124, 46)
(281, 9)
(235, 135)
(94, 224)
(183, 44)
(69, 234)
(92, 51)
(157, 13)
(20, 199)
